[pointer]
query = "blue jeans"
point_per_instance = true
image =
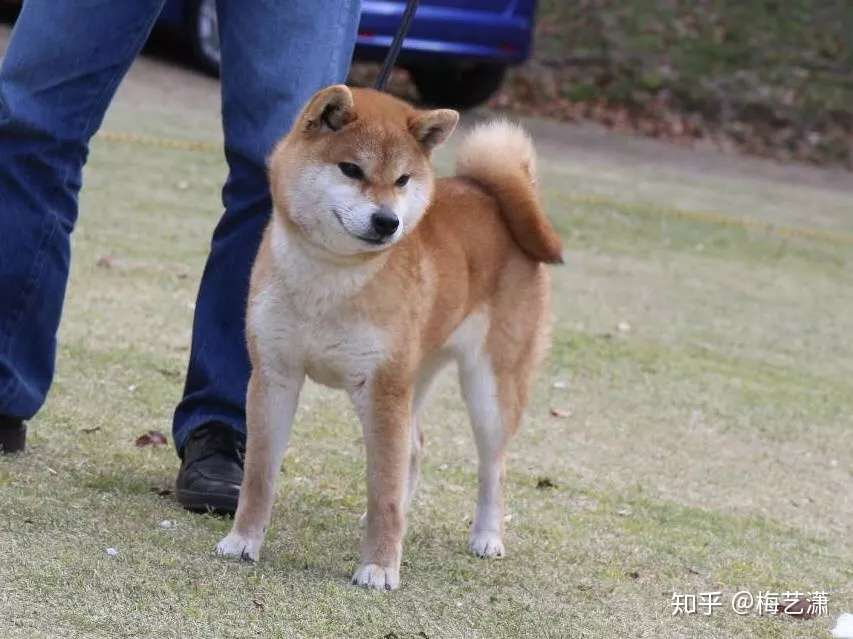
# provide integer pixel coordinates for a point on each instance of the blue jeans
(62, 67)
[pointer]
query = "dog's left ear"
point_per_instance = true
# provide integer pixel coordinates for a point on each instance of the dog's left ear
(432, 128)
(329, 110)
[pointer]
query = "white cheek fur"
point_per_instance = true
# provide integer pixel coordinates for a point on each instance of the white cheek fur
(332, 211)
(413, 204)
(329, 208)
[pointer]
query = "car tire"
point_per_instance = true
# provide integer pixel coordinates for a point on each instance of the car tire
(203, 33)
(460, 87)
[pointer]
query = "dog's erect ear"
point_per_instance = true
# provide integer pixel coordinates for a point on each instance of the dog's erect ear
(431, 128)
(330, 109)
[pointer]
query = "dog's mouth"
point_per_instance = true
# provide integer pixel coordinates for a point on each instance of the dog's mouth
(373, 240)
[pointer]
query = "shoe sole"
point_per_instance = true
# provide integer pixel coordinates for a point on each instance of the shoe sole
(207, 502)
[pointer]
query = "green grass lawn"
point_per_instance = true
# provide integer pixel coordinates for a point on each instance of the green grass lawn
(707, 371)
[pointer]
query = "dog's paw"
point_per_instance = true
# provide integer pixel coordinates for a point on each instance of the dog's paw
(377, 577)
(236, 545)
(486, 544)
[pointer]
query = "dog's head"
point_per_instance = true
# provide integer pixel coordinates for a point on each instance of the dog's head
(353, 176)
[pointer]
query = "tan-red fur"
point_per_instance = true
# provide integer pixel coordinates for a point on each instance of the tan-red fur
(479, 249)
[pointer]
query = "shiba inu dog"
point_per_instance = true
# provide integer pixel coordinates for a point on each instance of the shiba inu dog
(370, 277)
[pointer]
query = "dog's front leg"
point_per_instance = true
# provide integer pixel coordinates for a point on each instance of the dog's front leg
(384, 408)
(270, 406)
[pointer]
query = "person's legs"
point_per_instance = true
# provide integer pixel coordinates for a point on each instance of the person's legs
(275, 55)
(63, 64)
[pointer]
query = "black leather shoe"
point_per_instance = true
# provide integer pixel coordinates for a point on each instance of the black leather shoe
(13, 435)
(212, 469)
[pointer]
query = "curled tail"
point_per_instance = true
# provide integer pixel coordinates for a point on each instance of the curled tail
(500, 157)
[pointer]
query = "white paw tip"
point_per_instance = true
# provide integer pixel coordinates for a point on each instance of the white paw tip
(843, 626)
(238, 546)
(486, 545)
(376, 577)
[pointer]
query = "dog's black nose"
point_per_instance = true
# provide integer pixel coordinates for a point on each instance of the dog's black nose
(384, 222)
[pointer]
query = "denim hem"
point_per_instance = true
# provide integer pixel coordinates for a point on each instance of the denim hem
(7, 392)
(182, 434)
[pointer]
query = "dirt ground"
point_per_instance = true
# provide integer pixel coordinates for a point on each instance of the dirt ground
(700, 373)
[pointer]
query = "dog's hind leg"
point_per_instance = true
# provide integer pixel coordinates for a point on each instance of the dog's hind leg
(415, 457)
(495, 376)
(480, 390)
(426, 377)
(270, 408)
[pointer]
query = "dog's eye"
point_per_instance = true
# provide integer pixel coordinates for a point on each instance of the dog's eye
(403, 180)
(351, 170)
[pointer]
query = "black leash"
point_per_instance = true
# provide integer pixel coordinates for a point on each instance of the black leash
(396, 45)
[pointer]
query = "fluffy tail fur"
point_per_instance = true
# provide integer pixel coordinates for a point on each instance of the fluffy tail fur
(500, 156)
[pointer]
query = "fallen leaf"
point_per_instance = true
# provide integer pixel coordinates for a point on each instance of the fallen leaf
(151, 438)
(634, 574)
(89, 431)
(112, 552)
(51, 471)
(545, 482)
(258, 600)
(562, 413)
(796, 608)
(105, 261)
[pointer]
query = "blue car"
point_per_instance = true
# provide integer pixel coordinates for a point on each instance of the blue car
(457, 51)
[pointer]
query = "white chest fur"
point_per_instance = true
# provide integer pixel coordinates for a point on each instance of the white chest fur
(303, 320)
